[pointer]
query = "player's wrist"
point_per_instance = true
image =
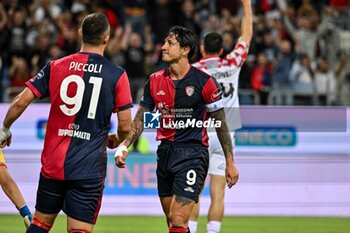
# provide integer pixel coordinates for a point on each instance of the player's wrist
(5, 131)
(120, 150)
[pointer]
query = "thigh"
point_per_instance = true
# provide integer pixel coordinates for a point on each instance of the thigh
(83, 199)
(50, 195)
(189, 168)
(164, 178)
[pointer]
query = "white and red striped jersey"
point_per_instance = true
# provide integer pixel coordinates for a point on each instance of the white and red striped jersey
(226, 72)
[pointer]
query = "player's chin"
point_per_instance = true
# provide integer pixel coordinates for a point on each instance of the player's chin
(165, 58)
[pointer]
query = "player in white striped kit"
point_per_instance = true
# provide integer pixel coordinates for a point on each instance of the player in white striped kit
(226, 71)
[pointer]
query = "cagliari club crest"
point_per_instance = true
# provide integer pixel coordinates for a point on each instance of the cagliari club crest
(189, 90)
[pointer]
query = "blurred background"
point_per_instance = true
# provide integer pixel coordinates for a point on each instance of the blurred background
(299, 54)
(293, 149)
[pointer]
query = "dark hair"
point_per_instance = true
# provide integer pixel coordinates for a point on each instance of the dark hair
(94, 28)
(186, 38)
(212, 43)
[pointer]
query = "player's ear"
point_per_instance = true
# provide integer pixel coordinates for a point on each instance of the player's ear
(202, 49)
(221, 52)
(105, 40)
(80, 33)
(185, 50)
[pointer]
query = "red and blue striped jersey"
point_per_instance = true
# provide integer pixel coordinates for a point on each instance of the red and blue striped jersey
(184, 105)
(84, 90)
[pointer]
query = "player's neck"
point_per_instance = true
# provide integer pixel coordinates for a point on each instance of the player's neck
(86, 48)
(179, 70)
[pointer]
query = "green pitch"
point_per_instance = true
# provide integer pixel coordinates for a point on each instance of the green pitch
(137, 224)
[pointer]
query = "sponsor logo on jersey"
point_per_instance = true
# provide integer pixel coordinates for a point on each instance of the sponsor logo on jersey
(73, 131)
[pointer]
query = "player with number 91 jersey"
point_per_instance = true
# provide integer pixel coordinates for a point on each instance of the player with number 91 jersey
(84, 90)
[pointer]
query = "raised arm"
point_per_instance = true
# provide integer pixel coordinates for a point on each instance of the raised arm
(247, 22)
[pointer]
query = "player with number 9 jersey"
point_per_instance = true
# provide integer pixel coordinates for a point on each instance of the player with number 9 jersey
(84, 90)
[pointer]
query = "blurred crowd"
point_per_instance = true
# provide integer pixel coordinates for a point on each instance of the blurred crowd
(299, 54)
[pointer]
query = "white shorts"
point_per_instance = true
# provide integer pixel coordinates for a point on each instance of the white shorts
(217, 162)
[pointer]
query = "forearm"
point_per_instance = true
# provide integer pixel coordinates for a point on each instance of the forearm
(224, 134)
(137, 127)
(247, 22)
(16, 109)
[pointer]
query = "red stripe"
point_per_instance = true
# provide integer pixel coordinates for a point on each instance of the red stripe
(99, 203)
(163, 81)
(56, 147)
(33, 89)
(178, 229)
(3, 165)
(41, 224)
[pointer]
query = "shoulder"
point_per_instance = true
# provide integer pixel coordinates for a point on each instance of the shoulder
(197, 72)
(158, 75)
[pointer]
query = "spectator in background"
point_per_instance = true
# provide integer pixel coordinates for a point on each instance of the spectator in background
(134, 52)
(326, 80)
(261, 78)
(188, 17)
(228, 42)
(135, 13)
(302, 80)
(18, 32)
(280, 74)
(162, 17)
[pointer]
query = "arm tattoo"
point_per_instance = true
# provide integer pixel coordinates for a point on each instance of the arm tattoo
(183, 201)
(137, 126)
(223, 133)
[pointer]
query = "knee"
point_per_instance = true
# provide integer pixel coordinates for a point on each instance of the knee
(178, 219)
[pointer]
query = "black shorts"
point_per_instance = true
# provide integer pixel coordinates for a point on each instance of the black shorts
(79, 199)
(181, 169)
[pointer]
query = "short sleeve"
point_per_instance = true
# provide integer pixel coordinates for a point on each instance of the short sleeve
(147, 100)
(123, 98)
(39, 84)
(239, 54)
(212, 95)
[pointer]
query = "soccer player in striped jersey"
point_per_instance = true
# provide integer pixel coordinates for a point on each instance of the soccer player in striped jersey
(186, 99)
(11, 189)
(226, 72)
(84, 90)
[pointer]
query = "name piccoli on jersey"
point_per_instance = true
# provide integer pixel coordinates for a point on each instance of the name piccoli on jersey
(92, 68)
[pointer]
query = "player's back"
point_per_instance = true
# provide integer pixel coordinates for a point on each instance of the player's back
(83, 93)
(226, 72)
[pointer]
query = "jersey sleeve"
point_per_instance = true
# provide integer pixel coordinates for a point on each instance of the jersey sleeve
(39, 84)
(212, 95)
(123, 98)
(147, 100)
(238, 54)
